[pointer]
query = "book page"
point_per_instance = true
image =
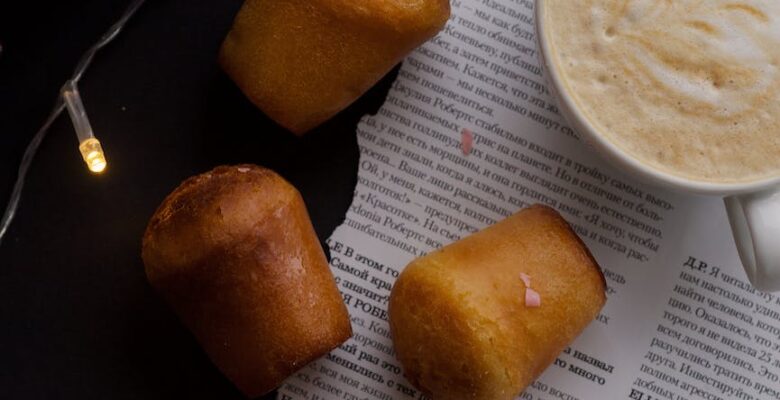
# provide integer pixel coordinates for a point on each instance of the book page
(468, 135)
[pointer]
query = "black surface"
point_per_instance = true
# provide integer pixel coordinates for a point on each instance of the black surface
(78, 319)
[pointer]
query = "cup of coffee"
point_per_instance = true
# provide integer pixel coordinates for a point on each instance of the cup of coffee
(683, 94)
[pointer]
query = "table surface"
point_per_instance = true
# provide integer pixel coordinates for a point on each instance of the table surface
(78, 319)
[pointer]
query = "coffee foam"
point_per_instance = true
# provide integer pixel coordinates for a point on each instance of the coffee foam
(689, 87)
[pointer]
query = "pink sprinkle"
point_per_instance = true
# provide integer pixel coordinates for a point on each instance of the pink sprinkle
(526, 279)
(532, 298)
(466, 141)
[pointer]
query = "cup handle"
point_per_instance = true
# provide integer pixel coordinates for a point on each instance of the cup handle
(755, 221)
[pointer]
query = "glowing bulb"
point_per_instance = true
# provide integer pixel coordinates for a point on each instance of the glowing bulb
(93, 155)
(89, 146)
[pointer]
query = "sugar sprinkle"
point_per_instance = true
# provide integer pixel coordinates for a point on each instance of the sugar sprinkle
(532, 298)
(526, 279)
(466, 141)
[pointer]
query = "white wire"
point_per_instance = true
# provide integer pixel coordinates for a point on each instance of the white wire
(32, 147)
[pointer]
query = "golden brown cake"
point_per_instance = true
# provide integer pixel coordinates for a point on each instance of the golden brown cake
(301, 62)
(235, 255)
(461, 319)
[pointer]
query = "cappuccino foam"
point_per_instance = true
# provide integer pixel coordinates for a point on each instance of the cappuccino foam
(689, 87)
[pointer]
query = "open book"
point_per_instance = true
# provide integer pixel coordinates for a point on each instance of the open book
(681, 321)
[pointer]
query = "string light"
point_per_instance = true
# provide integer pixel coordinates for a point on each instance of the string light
(89, 146)
(69, 98)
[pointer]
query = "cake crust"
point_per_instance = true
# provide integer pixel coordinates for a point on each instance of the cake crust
(234, 253)
(303, 62)
(459, 323)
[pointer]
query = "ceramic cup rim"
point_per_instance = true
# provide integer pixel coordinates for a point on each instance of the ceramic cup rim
(616, 155)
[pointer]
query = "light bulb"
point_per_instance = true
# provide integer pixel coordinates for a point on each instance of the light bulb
(89, 146)
(93, 155)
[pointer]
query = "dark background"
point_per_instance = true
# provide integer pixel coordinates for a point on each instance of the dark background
(78, 319)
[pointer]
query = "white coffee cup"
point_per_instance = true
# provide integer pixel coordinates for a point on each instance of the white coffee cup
(753, 208)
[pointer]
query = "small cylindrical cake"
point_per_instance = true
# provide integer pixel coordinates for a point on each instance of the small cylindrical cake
(235, 255)
(481, 318)
(301, 62)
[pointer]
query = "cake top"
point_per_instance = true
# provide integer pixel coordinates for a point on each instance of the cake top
(212, 211)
